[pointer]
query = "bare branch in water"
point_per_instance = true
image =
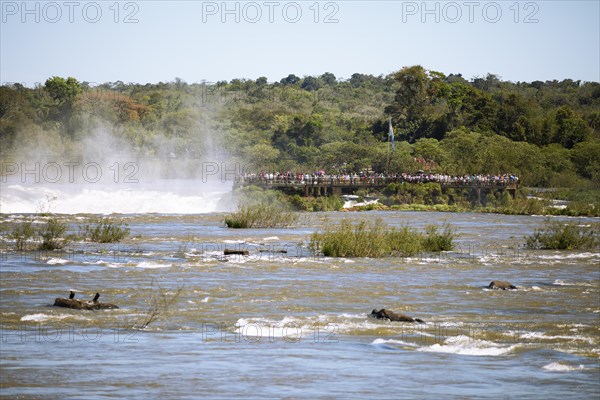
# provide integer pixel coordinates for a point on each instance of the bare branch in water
(160, 303)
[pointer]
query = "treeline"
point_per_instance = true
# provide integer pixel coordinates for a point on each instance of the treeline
(547, 133)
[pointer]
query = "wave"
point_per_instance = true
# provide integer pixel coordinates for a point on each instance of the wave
(104, 264)
(166, 196)
(567, 256)
(464, 345)
(560, 282)
(559, 367)
(381, 341)
(152, 265)
(543, 336)
(40, 317)
(55, 261)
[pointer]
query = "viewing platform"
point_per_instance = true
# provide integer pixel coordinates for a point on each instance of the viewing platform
(336, 186)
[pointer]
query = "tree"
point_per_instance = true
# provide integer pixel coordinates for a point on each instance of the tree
(586, 157)
(310, 83)
(570, 127)
(357, 80)
(431, 150)
(263, 155)
(291, 79)
(262, 81)
(463, 148)
(63, 91)
(328, 78)
(413, 95)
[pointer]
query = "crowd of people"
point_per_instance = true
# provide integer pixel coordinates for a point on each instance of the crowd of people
(320, 177)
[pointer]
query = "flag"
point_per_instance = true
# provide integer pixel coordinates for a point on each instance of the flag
(391, 135)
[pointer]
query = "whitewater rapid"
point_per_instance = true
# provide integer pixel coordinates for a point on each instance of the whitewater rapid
(162, 196)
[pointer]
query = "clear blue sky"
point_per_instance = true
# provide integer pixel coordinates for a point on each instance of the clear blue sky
(201, 40)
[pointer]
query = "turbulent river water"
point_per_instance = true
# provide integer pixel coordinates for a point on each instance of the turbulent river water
(282, 322)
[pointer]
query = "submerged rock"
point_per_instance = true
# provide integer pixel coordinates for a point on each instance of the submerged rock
(94, 304)
(501, 285)
(392, 316)
(228, 252)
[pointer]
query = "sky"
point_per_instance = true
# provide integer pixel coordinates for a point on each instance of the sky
(154, 41)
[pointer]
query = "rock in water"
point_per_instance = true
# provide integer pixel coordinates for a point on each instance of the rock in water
(392, 316)
(501, 285)
(71, 302)
(229, 252)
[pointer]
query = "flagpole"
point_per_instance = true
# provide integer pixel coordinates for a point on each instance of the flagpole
(390, 145)
(387, 167)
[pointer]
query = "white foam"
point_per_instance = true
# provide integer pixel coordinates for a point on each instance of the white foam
(560, 282)
(392, 341)
(162, 196)
(346, 315)
(45, 317)
(559, 367)
(568, 256)
(270, 238)
(54, 261)
(205, 300)
(152, 265)
(572, 325)
(543, 336)
(354, 203)
(464, 345)
(104, 263)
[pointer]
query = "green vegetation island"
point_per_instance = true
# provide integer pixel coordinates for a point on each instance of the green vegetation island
(545, 133)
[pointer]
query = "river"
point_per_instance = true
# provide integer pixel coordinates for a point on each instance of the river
(285, 323)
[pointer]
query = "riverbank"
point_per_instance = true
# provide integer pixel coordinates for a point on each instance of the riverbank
(432, 197)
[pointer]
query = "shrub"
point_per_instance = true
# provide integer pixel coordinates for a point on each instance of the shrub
(260, 216)
(327, 203)
(439, 241)
(53, 234)
(22, 233)
(365, 239)
(105, 230)
(559, 235)
(376, 239)
(371, 207)
(405, 242)
(323, 203)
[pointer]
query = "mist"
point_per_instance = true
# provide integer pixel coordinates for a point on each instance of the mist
(107, 169)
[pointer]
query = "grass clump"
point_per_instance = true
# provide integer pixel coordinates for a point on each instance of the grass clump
(22, 233)
(376, 239)
(52, 234)
(260, 216)
(105, 230)
(439, 240)
(323, 203)
(559, 235)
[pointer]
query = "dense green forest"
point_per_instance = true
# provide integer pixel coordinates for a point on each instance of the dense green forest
(547, 133)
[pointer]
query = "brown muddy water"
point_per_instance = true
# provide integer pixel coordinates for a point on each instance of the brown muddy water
(285, 323)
